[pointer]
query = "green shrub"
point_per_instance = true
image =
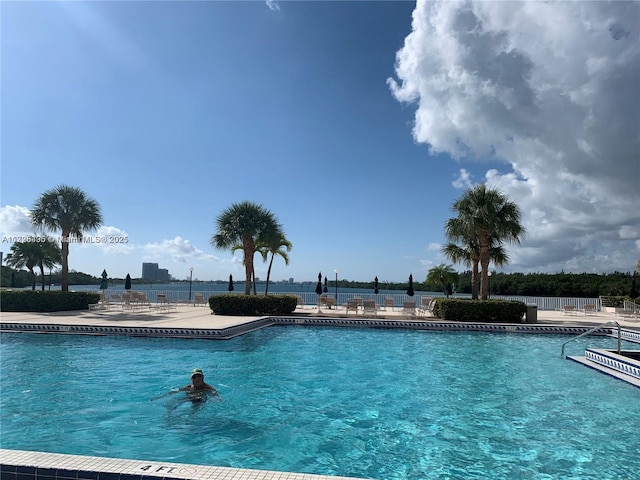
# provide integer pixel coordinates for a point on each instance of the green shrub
(486, 311)
(250, 305)
(39, 301)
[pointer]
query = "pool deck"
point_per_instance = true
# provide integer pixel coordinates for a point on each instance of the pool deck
(18, 464)
(200, 317)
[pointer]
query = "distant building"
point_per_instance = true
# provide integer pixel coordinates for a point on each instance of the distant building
(150, 271)
(291, 281)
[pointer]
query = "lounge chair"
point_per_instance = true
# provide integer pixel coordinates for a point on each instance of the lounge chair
(409, 308)
(163, 303)
(352, 304)
(117, 299)
(359, 301)
(300, 302)
(138, 301)
(327, 301)
(103, 303)
(425, 305)
(370, 308)
(569, 310)
(589, 309)
(388, 303)
(198, 299)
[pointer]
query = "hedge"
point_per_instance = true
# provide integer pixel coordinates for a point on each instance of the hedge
(39, 301)
(486, 311)
(234, 304)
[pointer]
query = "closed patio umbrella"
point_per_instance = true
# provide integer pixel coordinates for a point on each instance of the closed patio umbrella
(230, 288)
(319, 284)
(375, 286)
(104, 283)
(410, 291)
(319, 290)
(127, 282)
(325, 289)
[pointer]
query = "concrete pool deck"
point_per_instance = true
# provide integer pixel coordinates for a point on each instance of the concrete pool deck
(200, 317)
(18, 464)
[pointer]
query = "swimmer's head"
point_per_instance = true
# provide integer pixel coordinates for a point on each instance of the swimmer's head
(196, 371)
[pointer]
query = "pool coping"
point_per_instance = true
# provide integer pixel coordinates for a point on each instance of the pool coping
(248, 325)
(31, 465)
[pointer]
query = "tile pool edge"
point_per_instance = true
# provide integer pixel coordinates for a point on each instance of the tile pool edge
(226, 333)
(31, 465)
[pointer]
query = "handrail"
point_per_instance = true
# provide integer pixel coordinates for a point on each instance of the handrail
(593, 330)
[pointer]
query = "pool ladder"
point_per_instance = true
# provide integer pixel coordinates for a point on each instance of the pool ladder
(593, 330)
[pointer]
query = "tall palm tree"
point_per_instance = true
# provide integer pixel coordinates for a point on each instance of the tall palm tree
(244, 223)
(468, 253)
(69, 210)
(25, 254)
(275, 245)
(489, 216)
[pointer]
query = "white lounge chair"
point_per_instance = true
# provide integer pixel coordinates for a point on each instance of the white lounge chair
(163, 303)
(569, 310)
(103, 303)
(425, 305)
(299, 301)
(388, 303)
(198, 299)
(370, 308)
(409, 308)
(352, 304)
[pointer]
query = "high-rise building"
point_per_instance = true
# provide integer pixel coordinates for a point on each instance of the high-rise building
(149, 271)
(162, 275)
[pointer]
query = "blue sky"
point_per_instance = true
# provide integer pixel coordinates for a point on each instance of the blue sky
(357, 123)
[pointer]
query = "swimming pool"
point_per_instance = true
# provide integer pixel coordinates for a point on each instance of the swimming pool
(368, 403)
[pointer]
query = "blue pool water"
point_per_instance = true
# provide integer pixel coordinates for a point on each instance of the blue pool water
(367, 403)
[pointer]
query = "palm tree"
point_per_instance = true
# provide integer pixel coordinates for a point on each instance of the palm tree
(25, 254)
(51, 256)
(443, 274)
(469, 253)
(71, 211)
(248, 224)
(274, 246)
(488, 216)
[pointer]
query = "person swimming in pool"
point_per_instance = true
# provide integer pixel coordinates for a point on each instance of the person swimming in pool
(198, 387)
(197, 390)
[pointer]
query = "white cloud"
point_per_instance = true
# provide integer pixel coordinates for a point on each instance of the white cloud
(464, 180)
(15, 220)
(434, 247)
(550, 90)
(179, 249)
(273, 5)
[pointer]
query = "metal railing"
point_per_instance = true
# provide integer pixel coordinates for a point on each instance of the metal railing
(630, 306)
(311, 298)
(593, 330)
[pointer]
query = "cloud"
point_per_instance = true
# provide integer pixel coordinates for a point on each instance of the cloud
(464, 180)
(550, 90)
(434, 247)
(15, 220)
(273, 5)
(180, 249)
